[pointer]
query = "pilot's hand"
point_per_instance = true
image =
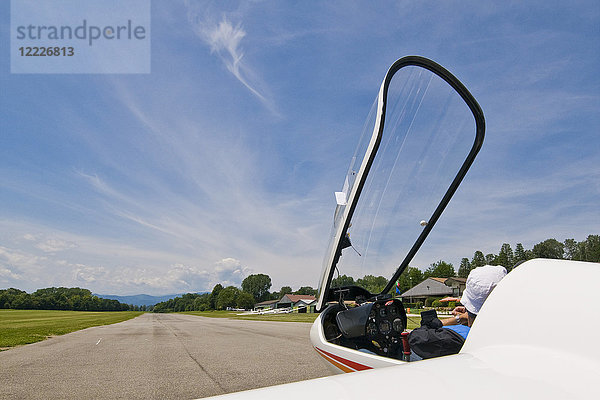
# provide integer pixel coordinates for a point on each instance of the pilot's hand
(458, 319)
(459, 310)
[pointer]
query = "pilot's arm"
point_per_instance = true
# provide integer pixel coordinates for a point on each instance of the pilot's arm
(461, 317)
(457, 319)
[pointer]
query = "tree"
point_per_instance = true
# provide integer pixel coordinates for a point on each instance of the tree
(22, 301)
(440, 269)
(61, 298)
(465, 268)
(306, 290)
(572, 250)
(257, 285)
(549, 248)
(245, 300)
(490, 259)
(520, 254)
(478, 260)
(342, 281)
(213, 296)
(374, 284)
(415, 276)
(506, 257)
(590, 248)
(8, 295)
(285, 290)
(410, 277)
(227, 297)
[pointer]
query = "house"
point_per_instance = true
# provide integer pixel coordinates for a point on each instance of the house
(306, 301)
(306, 305)
(458, 285)
(266, 305)
(435, 287)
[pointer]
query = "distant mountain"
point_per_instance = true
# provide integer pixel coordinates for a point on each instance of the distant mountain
(140, 299)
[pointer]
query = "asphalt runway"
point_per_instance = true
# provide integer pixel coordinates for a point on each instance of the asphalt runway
(161, 356)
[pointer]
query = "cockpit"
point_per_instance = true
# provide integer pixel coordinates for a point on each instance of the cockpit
(373, 326)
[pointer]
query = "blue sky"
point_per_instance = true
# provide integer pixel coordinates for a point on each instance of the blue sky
(223, 161)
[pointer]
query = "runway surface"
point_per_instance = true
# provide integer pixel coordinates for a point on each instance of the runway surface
(161, 356)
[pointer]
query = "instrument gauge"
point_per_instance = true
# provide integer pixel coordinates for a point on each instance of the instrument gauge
(393, 311)
(371, 329)
(383, 312)
(398, 325)
(385, 327)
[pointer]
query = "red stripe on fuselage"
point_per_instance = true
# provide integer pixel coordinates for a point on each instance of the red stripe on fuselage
(335, 363)
(351, 364)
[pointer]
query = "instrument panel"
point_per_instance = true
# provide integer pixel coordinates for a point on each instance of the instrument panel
(372, 326)
(386, 321)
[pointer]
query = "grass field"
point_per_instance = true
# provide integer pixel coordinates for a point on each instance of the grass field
(18, 327)
(413, 322)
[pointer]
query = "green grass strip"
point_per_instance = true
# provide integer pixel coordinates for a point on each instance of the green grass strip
(18, 327)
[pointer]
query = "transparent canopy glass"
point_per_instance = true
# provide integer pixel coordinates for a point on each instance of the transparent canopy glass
(412, 148)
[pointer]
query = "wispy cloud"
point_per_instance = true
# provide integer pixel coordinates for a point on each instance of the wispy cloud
(225, 40)
(8, 276)
(55, 245)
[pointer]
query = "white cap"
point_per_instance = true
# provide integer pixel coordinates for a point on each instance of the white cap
(480, 283)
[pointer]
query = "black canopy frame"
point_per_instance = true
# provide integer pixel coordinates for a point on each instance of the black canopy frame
(468, 98)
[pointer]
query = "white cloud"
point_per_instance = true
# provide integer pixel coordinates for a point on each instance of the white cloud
(88, 274)
(17, 257)
(55, 245)
(224, 39)
(105, 266)
(228, 38)
(229, 272)
(174, 278)
(8, 274)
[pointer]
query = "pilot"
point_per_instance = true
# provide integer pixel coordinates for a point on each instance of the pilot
(436, 338)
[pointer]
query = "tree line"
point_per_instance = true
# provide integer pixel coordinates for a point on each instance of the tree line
(61, 298)
(570, 249)
(255, 289)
